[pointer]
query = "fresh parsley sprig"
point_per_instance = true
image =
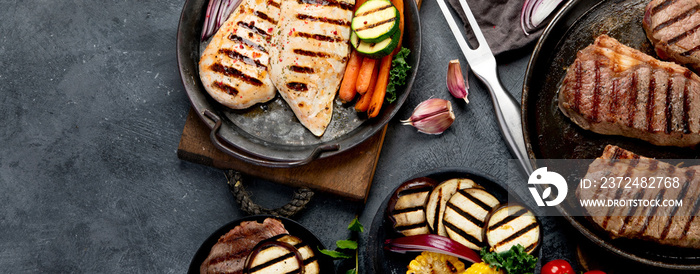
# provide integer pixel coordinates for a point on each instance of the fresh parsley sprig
(397, 74)
(513, 261)
(347, 249)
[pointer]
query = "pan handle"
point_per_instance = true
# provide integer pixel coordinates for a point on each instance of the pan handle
(268, 163)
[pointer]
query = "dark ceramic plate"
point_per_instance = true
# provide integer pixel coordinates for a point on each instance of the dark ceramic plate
(269, 134)
(550, 135)
(293, 227)
(382, 261)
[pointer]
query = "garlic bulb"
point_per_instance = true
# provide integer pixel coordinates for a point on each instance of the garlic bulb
(432, 116)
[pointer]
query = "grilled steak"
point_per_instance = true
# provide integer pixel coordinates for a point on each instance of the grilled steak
(234, 67)
(677, 226)
(229, 254)
(672, 26)
(309, 57)
(616, 90)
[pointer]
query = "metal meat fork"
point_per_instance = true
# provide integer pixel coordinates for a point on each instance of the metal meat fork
(483, 64)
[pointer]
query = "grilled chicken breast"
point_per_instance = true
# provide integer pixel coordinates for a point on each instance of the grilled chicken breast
(234, 68)
(672, 27)
(677, 226)
(616, 90)
(309, 57)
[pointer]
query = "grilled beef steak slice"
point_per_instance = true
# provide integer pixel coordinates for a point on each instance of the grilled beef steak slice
(234, 68)
(613, 89)
(228, 255)
(309, 57)
(676, 226)
(672, 27)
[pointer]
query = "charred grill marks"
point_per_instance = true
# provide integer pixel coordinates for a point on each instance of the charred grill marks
(411, 226)
(332, 3)
(691, 51)
(669, 105)
(264, 16)
(407, 210)
(686, 108)
(464, 235)
(226, 88)
(237, 56)
(273, 3)
(466, 215)
(681, 16)
(683, 35)
(689, 174)
(300, 69)
(508, 219)
(296, 86)
(517, 234)
(632, 100)
(305, 17)
(578, 70)
(251, 27)
(661, 6)
(311, 53)
(319, 37)
(596, 92)
(374, 10)
(233, 72)
(651, 102)
(247, 42)
(377, 24)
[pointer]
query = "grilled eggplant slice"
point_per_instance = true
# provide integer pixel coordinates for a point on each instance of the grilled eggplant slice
(406, 208)
(465, 215)
(509, 225)
(272, 256)
(308, 257)
(437, 201)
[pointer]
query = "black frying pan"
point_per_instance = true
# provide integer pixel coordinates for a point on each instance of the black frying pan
(551, 135)
(269, 134)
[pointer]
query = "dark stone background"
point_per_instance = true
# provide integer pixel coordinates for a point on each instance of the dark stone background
(91, 113)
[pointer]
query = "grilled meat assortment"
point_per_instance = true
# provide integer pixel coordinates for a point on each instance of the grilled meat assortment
(676, 226)
(229, 254)
(616, 90)
(234, 67)
(672, 27)
(309, 56)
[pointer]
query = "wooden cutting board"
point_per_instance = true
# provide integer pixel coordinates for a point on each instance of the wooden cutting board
(348, 174)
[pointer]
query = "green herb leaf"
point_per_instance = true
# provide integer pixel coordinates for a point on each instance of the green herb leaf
(335, 254)
(346, 244)
(397, 74)
(513, 261)
(355, 225)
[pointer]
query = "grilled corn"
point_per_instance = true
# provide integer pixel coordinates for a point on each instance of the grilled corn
(435, 263)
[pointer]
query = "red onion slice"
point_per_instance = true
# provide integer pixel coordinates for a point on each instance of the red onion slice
(432, 243)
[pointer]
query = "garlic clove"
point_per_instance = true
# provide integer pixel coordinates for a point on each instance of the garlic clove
(456, 83)
(432, 116)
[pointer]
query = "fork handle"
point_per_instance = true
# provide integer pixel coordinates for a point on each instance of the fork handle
(509, 119)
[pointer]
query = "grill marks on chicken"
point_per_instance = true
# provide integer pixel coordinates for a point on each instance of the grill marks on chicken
(675, 226)
(309, 55)
(616, 90)
(234, 67)
(672, 26)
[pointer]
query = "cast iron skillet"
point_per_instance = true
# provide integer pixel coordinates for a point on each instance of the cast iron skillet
(269, 134)
(382, 261)
(550, 135)
(293, 227)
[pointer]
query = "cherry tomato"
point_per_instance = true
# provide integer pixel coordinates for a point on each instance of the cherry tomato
(557, 267)
(594, 272)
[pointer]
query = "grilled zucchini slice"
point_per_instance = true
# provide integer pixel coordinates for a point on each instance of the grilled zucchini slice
(406, 208)
(510, 225)
(376, 50)
(272, 256)
(465, 215)
(437, 202)
(375, 21)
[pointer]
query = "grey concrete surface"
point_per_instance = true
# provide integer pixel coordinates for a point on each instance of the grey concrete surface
(91, 111)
